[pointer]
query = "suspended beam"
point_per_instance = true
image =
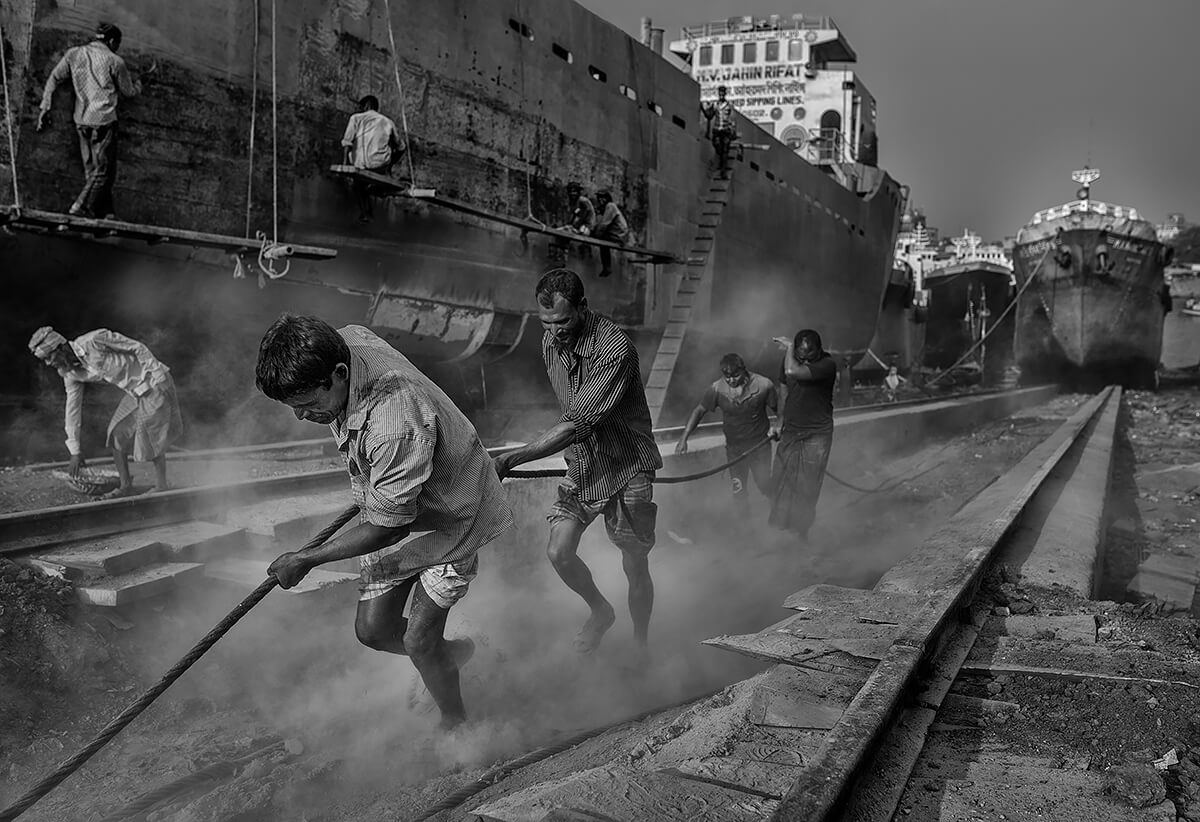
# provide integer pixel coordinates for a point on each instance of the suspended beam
(429, 195)
(28, 219)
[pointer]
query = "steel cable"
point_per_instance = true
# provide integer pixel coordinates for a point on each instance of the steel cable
(144, 701)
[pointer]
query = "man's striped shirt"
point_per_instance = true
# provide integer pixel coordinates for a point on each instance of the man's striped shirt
(415, 460)
(598, 382)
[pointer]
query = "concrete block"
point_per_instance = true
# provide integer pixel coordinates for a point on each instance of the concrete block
(197, 541)
(139, 584)
(251, 572)
(292, 521)
(109, 555)
(1149, 585)
(1079, 628)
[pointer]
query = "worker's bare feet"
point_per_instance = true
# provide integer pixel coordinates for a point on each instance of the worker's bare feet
(117, 493)
(594, 629)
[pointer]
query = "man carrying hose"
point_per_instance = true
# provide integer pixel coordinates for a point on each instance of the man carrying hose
(807, 377)
(427, 491)
(611, 454)
(744, 399)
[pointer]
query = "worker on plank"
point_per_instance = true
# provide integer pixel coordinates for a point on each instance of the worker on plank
(146, 422)
(611, 226)
(806, 376)
(610, 452)
(745, 400)
(99, 78)
(370, 143)
(427, 492)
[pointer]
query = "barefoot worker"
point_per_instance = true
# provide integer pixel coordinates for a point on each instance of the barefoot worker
(145, 423)
(611, 454)
(427, 490)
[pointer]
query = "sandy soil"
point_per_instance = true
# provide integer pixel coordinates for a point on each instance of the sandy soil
(364, 745)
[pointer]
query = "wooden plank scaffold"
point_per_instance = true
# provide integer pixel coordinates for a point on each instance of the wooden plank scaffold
(403, 189)
(34, 220)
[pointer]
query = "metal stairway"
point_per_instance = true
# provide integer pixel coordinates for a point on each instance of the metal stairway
(699, 265)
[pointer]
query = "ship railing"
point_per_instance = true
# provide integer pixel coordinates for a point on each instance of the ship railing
(827, 146)
(1085, 207)
(747, 25)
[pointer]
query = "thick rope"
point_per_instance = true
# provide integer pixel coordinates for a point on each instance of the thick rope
(408, 149)
(253, 117)
(177, 670)
(505, 769)
(560, 472)
(1011, 305)
(8, 117)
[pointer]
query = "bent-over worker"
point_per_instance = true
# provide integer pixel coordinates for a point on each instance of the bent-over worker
(426, 489)
(146, 422)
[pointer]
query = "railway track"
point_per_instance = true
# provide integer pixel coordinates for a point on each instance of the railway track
(25, 532)
(835, 729)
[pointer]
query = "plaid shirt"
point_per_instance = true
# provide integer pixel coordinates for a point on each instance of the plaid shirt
(598, 382)
(414, 459)
(98, 75)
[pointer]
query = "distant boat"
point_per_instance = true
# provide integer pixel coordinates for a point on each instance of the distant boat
(1093, 313)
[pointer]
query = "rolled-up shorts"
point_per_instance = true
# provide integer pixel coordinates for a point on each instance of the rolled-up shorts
(446, 584)
(629, 515)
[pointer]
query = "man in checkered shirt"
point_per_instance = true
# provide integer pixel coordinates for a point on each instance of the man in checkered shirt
(99, 77)
(610, 451)
(426, 489)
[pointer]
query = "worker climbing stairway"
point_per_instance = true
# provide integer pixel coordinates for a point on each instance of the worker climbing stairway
(698, 268)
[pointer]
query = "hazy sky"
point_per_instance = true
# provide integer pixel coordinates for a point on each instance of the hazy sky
(985, 105)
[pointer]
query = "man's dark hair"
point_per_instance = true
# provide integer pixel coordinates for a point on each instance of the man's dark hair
(297, 355)
(732, 363)
(108, 33)
(811, 337)
(369, 102)
(562, 281)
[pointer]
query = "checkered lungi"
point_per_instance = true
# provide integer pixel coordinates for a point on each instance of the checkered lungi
(144, 427)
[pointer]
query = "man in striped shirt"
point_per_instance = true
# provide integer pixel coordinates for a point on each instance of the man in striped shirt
(99, 77)
(611, 454)
(426, 489)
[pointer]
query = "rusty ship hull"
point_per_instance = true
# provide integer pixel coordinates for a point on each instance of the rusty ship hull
(900, 329)
(966, 301)
(501, 108)
(1086, 323)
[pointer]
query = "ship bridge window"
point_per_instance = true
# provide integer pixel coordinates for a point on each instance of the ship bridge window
(727, 54)
(706, 55)
(772, 51)
(655, 107)
(795, 51)
(628, 92)
(562, 53)
(597, 75)
(520, 28)
(750, 52)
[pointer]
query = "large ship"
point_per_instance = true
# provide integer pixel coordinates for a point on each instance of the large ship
(228, 161)
(1092, 293)
(968, 291)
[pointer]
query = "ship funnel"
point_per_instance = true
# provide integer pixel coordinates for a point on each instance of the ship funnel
(656, 40)
(646, 31)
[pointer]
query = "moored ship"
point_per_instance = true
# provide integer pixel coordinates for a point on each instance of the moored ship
(237, 130)
(1094, 297)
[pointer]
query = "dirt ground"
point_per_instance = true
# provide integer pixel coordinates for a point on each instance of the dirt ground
(27, 488)
(361, 742)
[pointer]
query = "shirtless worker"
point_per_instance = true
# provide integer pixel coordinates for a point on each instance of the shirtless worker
(426, 489)
(745, 399)
(611, 454)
